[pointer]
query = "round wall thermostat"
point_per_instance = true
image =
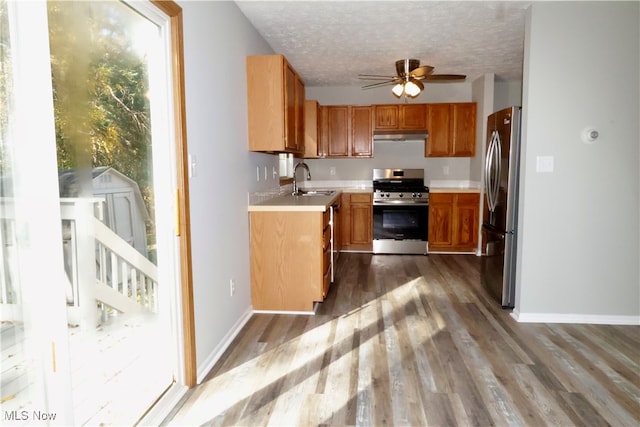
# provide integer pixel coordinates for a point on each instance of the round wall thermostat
(590, 135)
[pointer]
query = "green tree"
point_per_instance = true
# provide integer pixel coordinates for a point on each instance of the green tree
(101, 109)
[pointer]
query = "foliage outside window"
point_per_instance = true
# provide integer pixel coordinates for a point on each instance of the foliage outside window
(286, 166)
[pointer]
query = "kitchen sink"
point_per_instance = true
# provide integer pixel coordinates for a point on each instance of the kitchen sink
(317, 193)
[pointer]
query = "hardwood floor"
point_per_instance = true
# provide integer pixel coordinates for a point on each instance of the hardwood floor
(414, 340)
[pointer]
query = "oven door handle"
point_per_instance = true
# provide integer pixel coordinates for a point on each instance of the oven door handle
(400, 203)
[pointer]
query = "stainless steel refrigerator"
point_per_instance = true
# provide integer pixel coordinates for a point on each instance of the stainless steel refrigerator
(500, 216)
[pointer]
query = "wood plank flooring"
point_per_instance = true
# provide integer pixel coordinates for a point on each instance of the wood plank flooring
(415, 341)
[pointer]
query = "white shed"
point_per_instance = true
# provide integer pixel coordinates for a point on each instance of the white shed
(125, 211)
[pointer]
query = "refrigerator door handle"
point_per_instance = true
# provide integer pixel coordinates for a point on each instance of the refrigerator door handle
(499, 171)
(490, 178)
(487, 164)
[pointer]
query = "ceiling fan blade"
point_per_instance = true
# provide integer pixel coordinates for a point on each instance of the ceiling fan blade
(443, 77)
(420, 72)
(375, 77)
(381, 84)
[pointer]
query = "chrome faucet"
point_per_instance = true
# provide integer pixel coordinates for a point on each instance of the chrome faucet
(296, 190)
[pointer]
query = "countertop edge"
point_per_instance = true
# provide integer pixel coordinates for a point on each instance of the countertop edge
(453, 190)
(287, 203)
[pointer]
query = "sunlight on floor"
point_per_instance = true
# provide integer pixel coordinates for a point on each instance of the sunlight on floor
(293, 374)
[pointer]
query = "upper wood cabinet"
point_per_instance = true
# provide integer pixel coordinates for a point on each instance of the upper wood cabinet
(452, 130)
(275, 103)
(361, 134)
(312, 115)
(400, 117)
(346, 131)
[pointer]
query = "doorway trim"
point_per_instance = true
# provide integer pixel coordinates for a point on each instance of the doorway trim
(183, 224)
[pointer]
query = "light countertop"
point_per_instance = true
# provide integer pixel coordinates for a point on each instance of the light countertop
(290, 203)
(454, 186)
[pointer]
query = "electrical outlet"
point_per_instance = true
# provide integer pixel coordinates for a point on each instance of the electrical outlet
(258, 173)
(445, 169)
(232, 287)
(332, 170)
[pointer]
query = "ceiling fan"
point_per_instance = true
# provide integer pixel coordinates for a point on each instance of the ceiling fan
(409, 78)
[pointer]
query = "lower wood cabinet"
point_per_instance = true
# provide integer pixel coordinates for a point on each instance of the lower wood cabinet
(290, 259)
(453, 222)
(357, 221)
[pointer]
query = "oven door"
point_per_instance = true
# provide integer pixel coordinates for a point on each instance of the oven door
(401, 222)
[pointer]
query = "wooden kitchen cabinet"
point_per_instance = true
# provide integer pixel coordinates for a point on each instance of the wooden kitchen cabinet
(346, 131)
(452, 130)
(357, 221)
(290, 259)
(275, 104)
(312, 130)
(400, 117)
(453, 222)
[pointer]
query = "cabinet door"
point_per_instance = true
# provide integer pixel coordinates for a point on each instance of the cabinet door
(440, 220)
(323, 131)
(464, 129)
(311, 129)
(361, 133)
(338, 130)
(361, 218)
(467, 209)
(386, 117)
(266, 104)
(299, 114)
(413, 116)
(290, 141)
(345, 219)
(439, 127)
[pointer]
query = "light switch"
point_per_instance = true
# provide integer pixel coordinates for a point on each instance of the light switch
(544, 164)
(193, 165)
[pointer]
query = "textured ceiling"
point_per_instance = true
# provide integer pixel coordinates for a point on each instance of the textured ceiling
(330, 42)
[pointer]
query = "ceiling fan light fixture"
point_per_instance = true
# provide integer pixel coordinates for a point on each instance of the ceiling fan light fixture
(412, 88)
(397, 90)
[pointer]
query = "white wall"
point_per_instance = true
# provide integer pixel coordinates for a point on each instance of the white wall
(217, 39)
(507, 94)
(579, 228)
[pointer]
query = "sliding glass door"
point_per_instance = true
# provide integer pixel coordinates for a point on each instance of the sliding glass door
(91, 262)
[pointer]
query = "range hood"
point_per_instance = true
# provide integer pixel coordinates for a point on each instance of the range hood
(399, 135)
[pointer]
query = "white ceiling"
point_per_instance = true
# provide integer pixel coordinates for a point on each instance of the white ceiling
(330, 42)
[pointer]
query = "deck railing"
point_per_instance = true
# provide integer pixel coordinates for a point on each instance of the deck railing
(115, 279)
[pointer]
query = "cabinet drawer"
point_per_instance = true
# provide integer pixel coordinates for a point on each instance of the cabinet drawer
(360, 198)
(326, 260)
(326, 282)
(326, 238)
(326, 218)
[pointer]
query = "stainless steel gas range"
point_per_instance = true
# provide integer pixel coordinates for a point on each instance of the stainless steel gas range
(400, 211)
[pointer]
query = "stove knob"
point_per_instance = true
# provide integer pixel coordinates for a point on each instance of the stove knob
(414, 195)
(419, 194)
(388, 194)
(400, 195)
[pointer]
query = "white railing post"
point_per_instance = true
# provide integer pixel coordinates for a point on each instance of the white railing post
(86, 262)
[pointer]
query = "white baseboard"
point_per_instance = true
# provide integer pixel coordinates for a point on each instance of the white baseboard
(596, 319)
(164, 406)
(215, 355)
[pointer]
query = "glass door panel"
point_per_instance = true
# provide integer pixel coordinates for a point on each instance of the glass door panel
(109, 92)
(34, 375)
